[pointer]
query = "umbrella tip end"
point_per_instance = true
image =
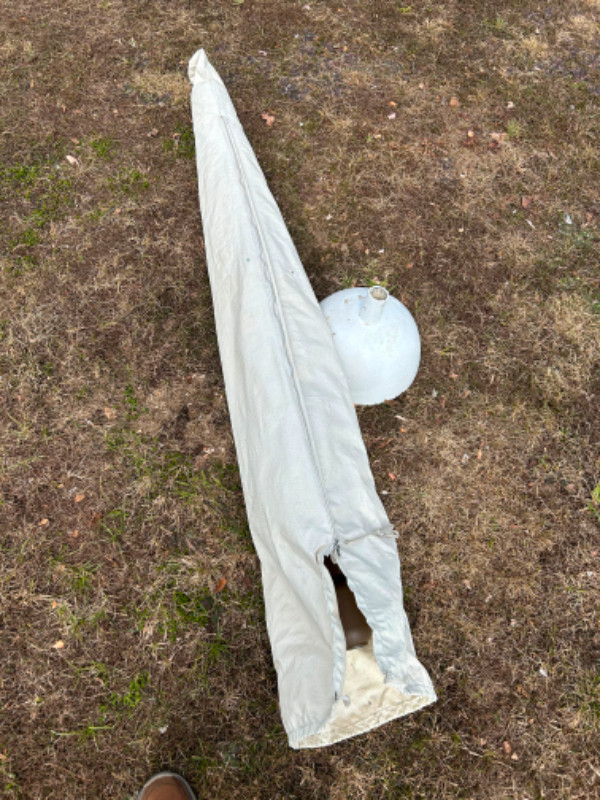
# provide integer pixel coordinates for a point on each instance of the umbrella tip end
(197, 65)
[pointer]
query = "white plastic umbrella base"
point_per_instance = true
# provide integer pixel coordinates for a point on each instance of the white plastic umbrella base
(307, 484)
(377, 341)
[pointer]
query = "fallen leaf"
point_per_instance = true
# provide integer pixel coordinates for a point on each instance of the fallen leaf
(58, 645)
(392, 476)
(221, 584)
(526, 200)
(74, 534)
(42, 523)
(454, 101)
(506, 747)
(515, 757)
(79, 498)
(268, 118)
(110, 413)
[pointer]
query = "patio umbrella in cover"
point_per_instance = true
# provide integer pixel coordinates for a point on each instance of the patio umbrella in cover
(310, 496)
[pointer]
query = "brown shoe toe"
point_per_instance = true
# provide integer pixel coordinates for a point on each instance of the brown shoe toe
(166, 786)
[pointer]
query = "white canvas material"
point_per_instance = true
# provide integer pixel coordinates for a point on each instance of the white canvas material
(307, 483)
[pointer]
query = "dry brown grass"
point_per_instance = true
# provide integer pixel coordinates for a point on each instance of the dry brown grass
(120, 500)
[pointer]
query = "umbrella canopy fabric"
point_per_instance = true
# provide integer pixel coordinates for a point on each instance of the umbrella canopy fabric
(307, 483)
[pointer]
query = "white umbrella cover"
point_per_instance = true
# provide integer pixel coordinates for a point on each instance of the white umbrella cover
(307, 484)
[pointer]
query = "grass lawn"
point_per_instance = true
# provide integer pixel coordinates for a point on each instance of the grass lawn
(448, 150)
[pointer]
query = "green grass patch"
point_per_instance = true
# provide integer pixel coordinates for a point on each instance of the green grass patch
(115, 522)
(43, 194)
(130, 182)
(131, 698)
(594, 502)
(103, 147)
(172, 611)
(170, 471)
(181, 144)
(20, 175)
(131, 403)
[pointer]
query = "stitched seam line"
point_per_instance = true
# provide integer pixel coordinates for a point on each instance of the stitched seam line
(271, 272)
